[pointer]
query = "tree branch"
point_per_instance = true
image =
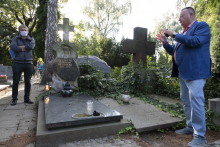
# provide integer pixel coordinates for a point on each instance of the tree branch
(33, 25)
(16, 15)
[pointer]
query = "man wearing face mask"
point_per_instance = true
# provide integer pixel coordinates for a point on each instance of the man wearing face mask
(192, 66)
(22, 45)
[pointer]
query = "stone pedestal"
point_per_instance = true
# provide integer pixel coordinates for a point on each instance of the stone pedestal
(214, 104)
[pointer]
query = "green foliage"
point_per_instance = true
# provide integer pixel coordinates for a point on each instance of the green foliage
(130, 129)
(107, 49)
(116, 73)
(212, 87)
(40, 96)
(40, 31)
(134, 78)
(105, 15)
(169, 21)
(5, 57)
(112, 52)
(96, 83)
(209, 11)
(83, 44)
(168, 87)
(22, 11)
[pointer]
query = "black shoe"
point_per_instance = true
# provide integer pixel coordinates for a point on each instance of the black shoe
(28, 101)
(14, 102)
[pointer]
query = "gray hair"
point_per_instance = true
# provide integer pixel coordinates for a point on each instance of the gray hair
(190, 9)
(22, 26)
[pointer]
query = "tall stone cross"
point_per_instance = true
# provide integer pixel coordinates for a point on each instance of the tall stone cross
(139, 46)
(66, 28)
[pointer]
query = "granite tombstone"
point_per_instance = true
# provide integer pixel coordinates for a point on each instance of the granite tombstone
(64, 68)
(95, 62)
(214, 105)
(140, 47)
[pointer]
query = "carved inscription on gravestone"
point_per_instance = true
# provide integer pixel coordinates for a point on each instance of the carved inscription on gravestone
(66, 69)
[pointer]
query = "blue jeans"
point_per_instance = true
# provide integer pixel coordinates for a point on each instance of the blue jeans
(192, 96)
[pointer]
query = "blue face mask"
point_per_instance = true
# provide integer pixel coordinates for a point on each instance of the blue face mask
(23, 33)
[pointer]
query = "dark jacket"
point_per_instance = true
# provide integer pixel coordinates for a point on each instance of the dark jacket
(193, 54)
(26, 56)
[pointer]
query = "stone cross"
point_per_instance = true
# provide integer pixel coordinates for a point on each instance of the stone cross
(66, 28)
(140, 47)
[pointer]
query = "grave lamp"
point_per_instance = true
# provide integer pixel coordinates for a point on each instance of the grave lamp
(47, 100)
(47, 87)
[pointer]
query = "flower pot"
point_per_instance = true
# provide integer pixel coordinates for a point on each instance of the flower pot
(3, 80)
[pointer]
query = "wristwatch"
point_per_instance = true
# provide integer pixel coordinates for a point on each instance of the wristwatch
(174, 34)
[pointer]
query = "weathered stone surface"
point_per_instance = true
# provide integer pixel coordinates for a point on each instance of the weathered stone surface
(6, 70)
(140, 47)
(66, 69)
(95, 62)
(214, 104)
(59, 111)
(66, 28)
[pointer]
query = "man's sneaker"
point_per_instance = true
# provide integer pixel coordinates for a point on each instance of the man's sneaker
(197, 141)
(183, 131)
(28, 101)
(14, 102)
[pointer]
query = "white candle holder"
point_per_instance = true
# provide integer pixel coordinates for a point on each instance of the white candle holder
(89, 107)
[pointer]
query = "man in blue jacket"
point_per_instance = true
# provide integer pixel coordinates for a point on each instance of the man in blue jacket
(192, 65)
(22, 45)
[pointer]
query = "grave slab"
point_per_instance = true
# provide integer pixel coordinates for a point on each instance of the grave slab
(55, 137)
(59, 111)
(144, 116)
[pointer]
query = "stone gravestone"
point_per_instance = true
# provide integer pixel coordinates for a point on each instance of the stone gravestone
(214, 104)
(95, 62)
(58, 110)
(64, 68)
(6, 70)
(140, 47)
(2, 70)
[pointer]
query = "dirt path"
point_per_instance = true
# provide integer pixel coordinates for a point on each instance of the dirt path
(171, 139)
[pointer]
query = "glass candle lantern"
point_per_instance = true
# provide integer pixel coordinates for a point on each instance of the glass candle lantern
(89, 107)
(47, 87)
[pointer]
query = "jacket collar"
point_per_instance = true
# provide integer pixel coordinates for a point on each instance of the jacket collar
(191, 28)
(28, 37)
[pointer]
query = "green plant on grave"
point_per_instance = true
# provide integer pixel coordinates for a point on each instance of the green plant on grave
(130, 129)
(134, 78)
(40, 96)
(95, 83)
(116, 73)
(168, 87)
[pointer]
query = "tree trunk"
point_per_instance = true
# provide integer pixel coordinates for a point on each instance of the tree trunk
(51, 38)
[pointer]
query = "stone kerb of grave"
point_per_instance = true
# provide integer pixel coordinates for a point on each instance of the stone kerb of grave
(140, 47)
